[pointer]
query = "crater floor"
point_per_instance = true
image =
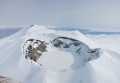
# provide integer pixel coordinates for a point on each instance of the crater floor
(58, 60)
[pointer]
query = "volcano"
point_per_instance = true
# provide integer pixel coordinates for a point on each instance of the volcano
(40, 55)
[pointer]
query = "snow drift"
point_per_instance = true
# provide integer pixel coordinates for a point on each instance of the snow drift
(68, 57)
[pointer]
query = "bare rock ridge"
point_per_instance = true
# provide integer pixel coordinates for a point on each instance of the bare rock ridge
(78, 47)
(34, 48)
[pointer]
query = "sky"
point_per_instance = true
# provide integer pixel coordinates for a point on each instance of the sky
(97, 14)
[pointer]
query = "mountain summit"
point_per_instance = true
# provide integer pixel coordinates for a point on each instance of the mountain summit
(39, 55)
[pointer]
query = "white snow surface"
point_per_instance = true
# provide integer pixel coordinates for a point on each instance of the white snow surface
(109, 42)
(57, 60)
(59, 66)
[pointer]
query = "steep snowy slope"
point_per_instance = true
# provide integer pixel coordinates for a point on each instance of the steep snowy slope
(60, 57)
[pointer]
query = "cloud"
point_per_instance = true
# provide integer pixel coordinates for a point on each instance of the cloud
(61, 13)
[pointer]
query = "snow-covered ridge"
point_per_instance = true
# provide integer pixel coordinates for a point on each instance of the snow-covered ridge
(61, 61)
(69, 44)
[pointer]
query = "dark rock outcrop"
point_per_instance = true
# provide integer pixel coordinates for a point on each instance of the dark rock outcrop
(34, 52)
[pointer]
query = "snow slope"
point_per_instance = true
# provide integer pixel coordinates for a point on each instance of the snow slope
(69, 66)
(110, 42)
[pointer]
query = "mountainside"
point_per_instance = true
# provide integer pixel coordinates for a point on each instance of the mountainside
(39, 55)
(109, 42)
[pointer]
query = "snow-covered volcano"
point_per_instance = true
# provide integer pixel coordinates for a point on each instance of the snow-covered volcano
(39, 55)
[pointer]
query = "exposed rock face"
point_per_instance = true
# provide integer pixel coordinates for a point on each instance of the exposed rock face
(81, 48)
(34, 48)
(58, 43)
(41, 47)
(76, 43)
(66, 46)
